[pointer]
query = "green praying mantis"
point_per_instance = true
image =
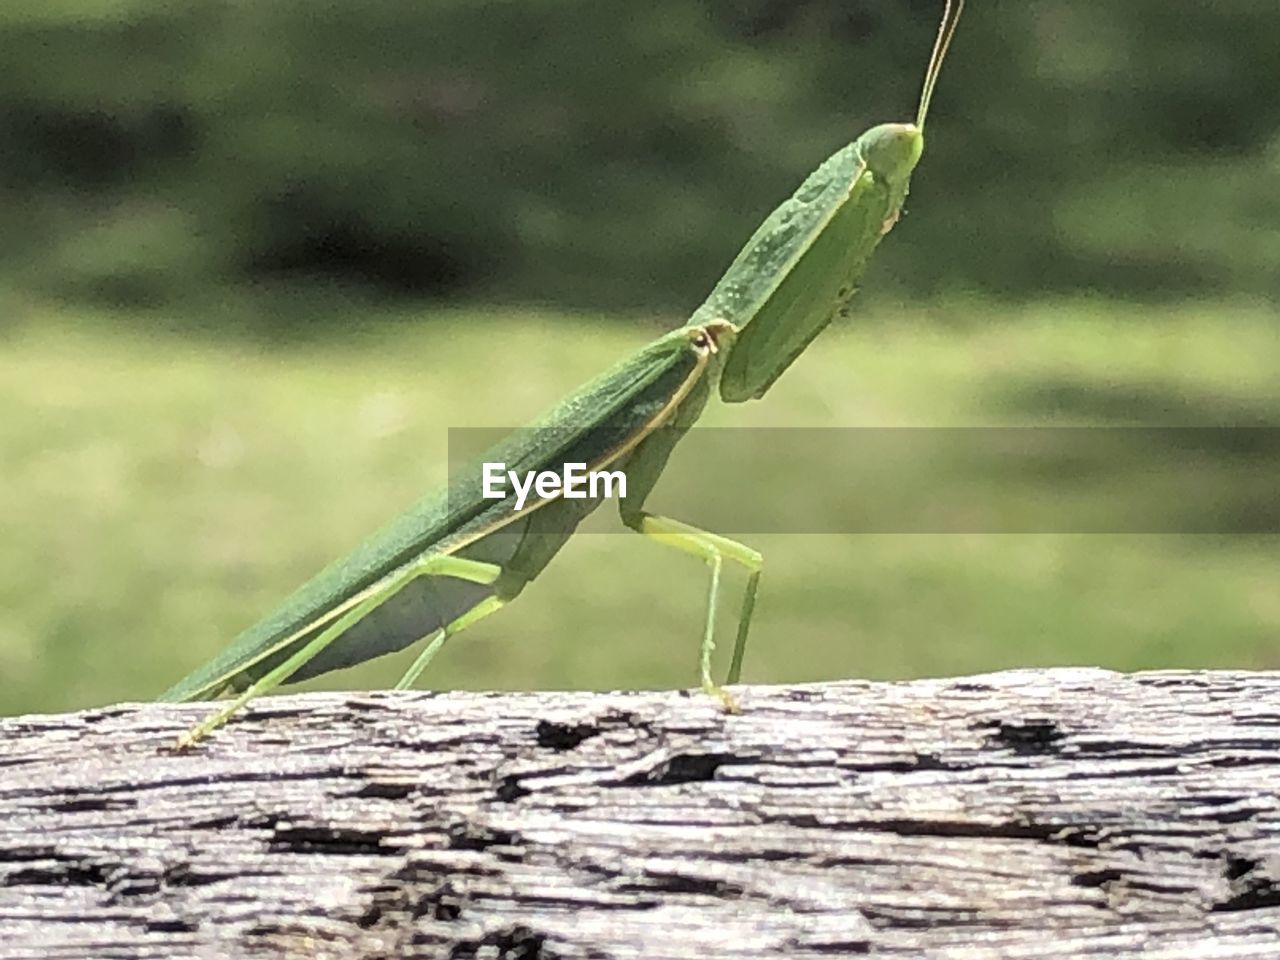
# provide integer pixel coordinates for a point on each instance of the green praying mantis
(458, 556)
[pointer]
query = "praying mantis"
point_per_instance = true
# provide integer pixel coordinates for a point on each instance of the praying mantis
(457, 556)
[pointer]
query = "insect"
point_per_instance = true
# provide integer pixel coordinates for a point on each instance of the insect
(456, 557)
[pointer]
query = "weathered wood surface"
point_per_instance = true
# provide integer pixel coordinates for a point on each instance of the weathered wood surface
(1031, 814)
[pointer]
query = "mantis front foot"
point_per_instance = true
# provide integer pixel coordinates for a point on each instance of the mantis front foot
(728, 702)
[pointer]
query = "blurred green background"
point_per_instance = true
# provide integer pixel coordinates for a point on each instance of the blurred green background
(258, 258)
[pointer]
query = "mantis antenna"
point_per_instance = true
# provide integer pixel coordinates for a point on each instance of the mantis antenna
(946, 30)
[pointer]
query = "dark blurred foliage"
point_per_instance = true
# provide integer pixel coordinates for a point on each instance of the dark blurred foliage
(611, 155)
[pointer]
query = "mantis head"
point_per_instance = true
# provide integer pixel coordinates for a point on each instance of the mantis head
(892, 150)
(799, 269)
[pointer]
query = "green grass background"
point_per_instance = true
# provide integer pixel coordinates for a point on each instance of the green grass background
(160, 493)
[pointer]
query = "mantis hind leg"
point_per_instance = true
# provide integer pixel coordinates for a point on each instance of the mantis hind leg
(714, 550)
(434, 565)
(481, 610)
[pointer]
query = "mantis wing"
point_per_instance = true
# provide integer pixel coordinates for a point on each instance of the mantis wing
(597, 417)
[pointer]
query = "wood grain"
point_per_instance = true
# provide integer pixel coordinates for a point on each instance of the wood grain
(1028, 814)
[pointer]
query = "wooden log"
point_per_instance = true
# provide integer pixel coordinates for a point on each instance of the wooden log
(1028, 814)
